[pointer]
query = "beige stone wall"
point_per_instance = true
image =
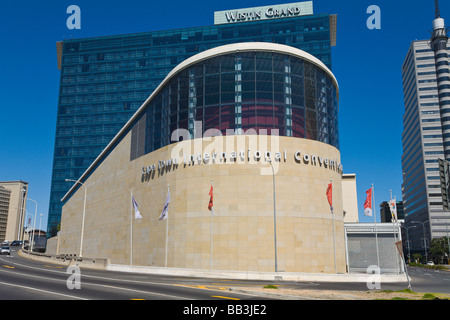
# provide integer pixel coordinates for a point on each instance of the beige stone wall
(243, 224)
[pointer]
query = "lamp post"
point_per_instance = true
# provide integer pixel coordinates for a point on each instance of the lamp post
(23, 239)
(21, 217)
(448, 244)
(408, 244)
(424, 238)
(34, 224)
(84, 213)
(274, 216)
(40, 217)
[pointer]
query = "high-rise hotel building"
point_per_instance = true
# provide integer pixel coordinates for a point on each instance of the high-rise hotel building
(104, 80)
(426, 136)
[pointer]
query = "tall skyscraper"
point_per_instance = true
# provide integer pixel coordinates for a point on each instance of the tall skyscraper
(426, 136)
(104, 80)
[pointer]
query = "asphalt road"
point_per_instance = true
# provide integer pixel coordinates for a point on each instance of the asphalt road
(25, 279)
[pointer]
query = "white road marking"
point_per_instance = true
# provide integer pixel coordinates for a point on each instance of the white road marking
(40, 290)
(93, 284)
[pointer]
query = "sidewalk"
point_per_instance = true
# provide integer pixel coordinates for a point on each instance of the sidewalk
(268, 276)
(103, 264)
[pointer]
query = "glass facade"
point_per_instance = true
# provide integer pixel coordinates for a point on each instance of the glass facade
(245, 90)
(105, 80)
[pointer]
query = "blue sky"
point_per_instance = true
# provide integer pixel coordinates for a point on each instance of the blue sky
(367, 64)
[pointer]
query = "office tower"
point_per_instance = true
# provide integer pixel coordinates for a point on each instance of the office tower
(104, 80)
(426, 136)
(438, 44)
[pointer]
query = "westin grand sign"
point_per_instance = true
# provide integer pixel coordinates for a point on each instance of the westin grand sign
(264, 13)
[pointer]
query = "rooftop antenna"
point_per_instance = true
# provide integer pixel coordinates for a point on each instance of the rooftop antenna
(438, 12)
(439, 40)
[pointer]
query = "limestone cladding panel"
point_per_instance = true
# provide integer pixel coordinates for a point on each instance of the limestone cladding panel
(243, 222)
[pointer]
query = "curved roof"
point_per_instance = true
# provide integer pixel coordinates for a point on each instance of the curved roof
(248, 47)
(205, 55)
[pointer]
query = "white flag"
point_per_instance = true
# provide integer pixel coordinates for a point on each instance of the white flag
(137, 214)
(393, 207)
(165, 210)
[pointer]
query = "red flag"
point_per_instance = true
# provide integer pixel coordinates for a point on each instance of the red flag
(210, 205)
(330, 194)
(368, 203)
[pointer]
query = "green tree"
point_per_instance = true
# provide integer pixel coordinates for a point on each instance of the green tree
(439, 249)
(417, 257)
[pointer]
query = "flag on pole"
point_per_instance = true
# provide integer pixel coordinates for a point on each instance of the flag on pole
(368, 203)
(393, 207)
(137, 214)
(210, 205)
(165, 210)
(330, 195)
(399, 246)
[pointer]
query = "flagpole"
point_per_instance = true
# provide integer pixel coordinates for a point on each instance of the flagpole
(375, 222)
(211, 233)
(131, 228)
(334, 237)
(394, 224)
(274, 218)
(167, 228)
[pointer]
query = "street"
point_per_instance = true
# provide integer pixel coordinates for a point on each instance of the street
(22, 278)
(25, 279)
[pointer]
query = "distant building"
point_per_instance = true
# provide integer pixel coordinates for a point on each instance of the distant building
(385, 211)
(13, 196)
(349, 198)
(40, 240)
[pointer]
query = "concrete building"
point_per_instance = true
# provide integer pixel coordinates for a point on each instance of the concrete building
(426, 122)
(13, 197)
(104, 80)
(225, 113)
(350, 199)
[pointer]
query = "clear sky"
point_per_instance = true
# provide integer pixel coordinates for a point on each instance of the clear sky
(367, 64)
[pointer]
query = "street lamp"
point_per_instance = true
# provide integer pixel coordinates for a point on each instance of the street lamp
(23, 238)
(40, 217)
(21, 217)
(408, 244)
(84, 212)
(274, 215)
(34, 224)
(448, 244)
(424, 239)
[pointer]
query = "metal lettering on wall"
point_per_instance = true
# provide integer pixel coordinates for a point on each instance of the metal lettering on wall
(239, 157)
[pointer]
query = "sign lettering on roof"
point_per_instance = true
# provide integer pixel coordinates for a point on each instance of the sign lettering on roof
(264, 13)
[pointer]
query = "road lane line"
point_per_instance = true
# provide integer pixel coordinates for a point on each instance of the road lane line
(96, 277)
(222, 297)
(84, 283)
(40, 290)
(119, 280)
(55, 267)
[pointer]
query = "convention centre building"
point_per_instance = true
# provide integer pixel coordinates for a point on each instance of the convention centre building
(105, 79)
(231, 163)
